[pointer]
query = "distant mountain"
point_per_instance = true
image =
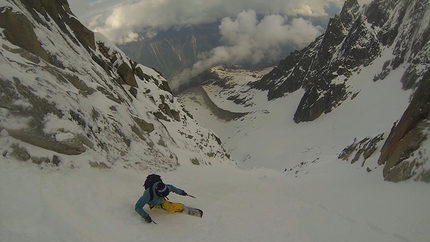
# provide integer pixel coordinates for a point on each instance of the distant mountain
(392, 35)
(173, 50)
(67, 92)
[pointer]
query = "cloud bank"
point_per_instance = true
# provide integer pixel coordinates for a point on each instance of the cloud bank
(249, 40)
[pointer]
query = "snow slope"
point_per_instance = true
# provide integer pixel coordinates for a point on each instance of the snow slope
(332, 202)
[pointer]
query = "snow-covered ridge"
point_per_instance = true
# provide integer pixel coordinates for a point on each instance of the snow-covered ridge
(67, 92)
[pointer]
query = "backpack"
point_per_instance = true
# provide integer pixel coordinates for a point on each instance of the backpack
(149, 182)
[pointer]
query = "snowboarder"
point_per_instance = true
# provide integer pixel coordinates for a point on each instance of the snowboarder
(156, 197)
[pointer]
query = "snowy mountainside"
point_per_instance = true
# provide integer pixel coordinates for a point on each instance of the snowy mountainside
(354, 39)
(69, 92)
(344, 92)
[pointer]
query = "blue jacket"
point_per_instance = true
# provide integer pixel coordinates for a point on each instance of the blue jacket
(156, 200)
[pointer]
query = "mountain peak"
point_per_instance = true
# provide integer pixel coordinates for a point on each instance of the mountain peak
(350, 7)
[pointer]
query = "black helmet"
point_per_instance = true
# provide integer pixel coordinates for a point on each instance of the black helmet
(162, 190)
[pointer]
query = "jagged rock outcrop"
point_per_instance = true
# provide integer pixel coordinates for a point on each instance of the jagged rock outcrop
(315, 67)
(362, 149)
(67, 91)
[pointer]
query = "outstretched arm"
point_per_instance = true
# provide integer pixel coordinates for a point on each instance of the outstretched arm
(141, 203)
(176, 190)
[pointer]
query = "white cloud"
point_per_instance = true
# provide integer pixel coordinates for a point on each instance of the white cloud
(307, 10)
(248, 40)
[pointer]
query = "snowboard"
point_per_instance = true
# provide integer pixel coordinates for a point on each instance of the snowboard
(193, 211)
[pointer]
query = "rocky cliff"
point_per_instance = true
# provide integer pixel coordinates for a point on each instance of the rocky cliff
(404, 154)
(66, 91)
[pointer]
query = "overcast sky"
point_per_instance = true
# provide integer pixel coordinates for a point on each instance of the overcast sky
(244, 35)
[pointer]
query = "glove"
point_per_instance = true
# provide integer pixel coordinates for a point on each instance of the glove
(148, 219)
(184, 193)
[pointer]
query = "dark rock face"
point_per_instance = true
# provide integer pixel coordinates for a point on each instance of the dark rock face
(23, 36)
(402, 152)
(291, 73)
(42, 11)
(312, 105)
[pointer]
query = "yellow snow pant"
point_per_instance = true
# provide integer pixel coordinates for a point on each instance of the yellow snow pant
(170, 207)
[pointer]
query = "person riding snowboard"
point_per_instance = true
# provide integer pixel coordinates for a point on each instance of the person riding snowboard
(155, 196)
